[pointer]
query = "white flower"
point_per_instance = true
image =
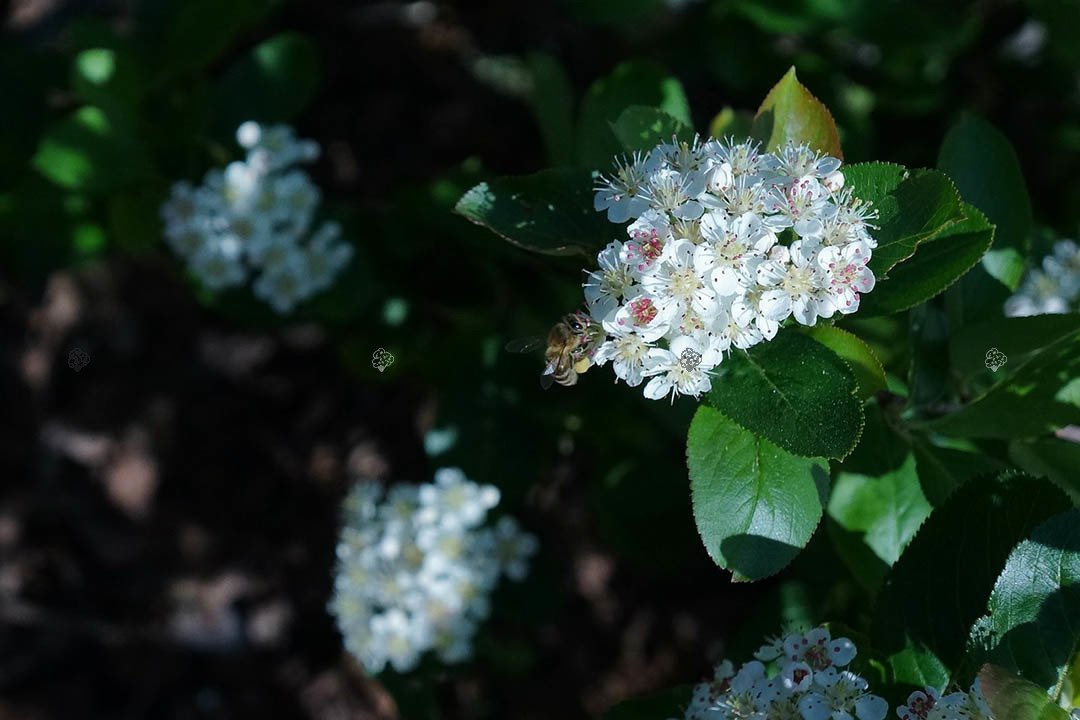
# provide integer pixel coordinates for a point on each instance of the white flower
(794, 285)
(818, 649)
(682, 370)
(415, 569)
(607, 286)
(255, 215)
(919, 704)
(627, 352)
(841, 695)
(846, 276)
(726, 243)
(620, 194)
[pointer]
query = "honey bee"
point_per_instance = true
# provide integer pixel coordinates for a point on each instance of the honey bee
(571, 344)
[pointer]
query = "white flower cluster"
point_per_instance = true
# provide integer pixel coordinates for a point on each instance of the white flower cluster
(416, 567)
(256, 216)
(726, 243)
(929, 704)
(1055, 288)
(797, 677)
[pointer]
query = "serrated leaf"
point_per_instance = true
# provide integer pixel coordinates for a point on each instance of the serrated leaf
(631, 83)
(913, 206)
(869, 374)
(1057, 460)
(938, 262)
(940, 584)
(1036, 398)
(643, 128)
(793, 391)
(1035, 604)
(984, 166)
(791, 113)
(888, 509)
(550, 212)
(1013, 697)
(755, 505)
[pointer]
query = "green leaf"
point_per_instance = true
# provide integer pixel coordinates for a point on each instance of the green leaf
(942, 470)
(937, 263)
(664, 704)
(198, 31)
(790, 113)
(1057, 460)
(940, 584)
(793, 391)
(91, 150)
(550, 212)
(1013, 697)
(1017, 337)
(755, 505)
(643, 128)
(631, 83)
(887, 509)
(272, 83)
(1036, 398)
(860, 358)
(983, 164)
(1036, 601)
(552, 99)
(730, 122)
(913, 206)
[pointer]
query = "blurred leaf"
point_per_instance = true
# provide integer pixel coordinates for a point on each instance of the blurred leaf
(1057, 460)
(196, 32)
(793, 391)
(755, 505)
(108, 77)
(790, 113)
(643, 128)
(1034, 399)
(90, 150)
(869, 374)
(731, 123)
(616, 13)
(667, 703)
(550, 212)
(913, 206)
(1012, 697)
(1017, 337)
(1036, 600)
(272, 83)
(942, 470)
(941, 583)
(937, 263)
(983, 164)
(631, 83)
(929, 372)
(552, 100)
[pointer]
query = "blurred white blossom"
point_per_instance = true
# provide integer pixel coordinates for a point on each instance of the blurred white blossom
(257, 216)
(725, 243)
(1051, 289)
(416, 566)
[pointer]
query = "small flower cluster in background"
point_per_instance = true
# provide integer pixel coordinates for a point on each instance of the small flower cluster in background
(257, 216)
(416, 567)
(929, 704)
(1054, 288)
(726, 243)
(808, 682)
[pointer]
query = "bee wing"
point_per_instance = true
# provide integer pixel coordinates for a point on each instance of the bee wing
(526, 344)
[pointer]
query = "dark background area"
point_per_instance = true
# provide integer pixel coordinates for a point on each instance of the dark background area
(168, 512)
